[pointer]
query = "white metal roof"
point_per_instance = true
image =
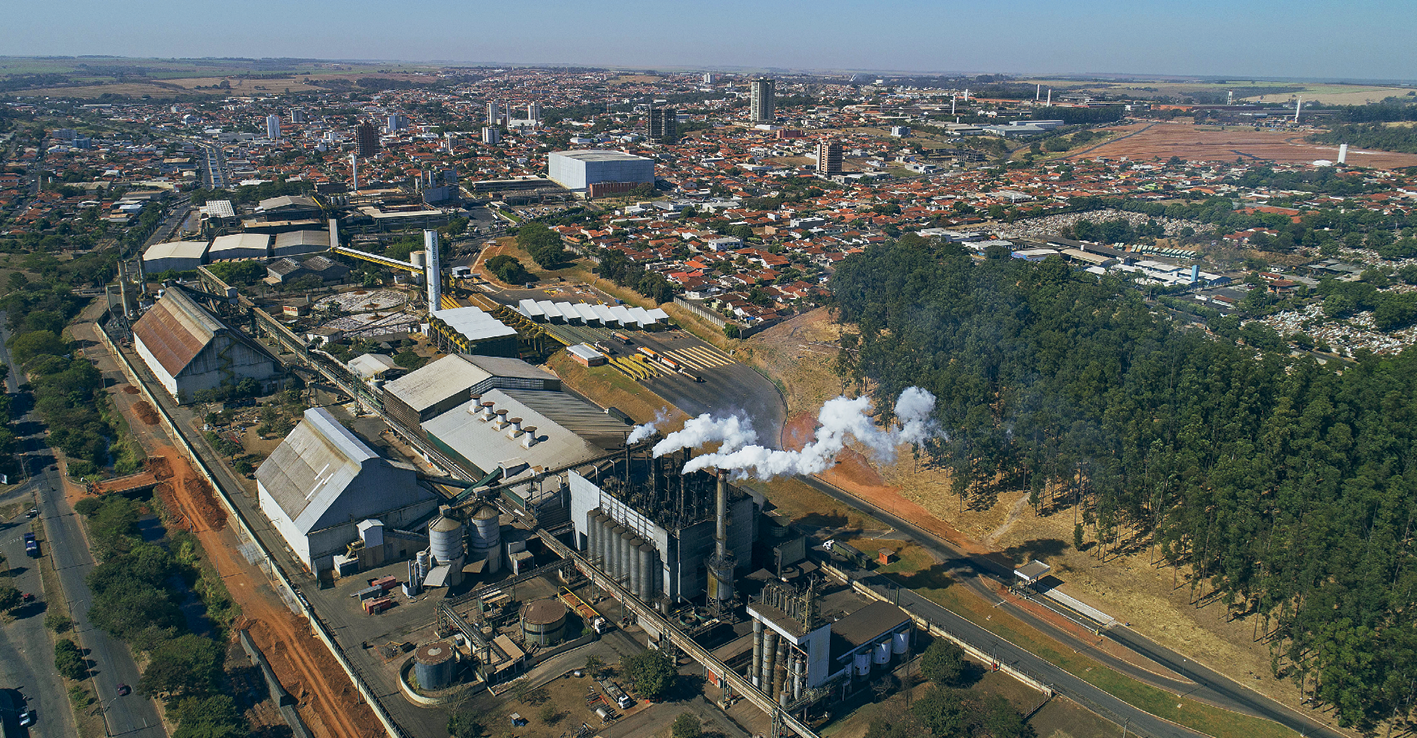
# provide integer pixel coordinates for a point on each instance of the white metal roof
(473, 323)
(176, 250)
(239, 242)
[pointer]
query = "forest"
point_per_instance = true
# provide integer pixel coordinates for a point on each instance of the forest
(1283, 489)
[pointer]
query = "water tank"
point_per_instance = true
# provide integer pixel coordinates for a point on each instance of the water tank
(607, 548)
(418, 258)
(486, 538)
(422, 565)
(445, 539)
(433, 665)
(900, 642)
(543, 622)
(882, 653)
(862, 662)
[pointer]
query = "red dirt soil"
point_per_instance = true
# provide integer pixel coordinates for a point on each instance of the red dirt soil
(329, 703)
(130, 389)
(145, 412)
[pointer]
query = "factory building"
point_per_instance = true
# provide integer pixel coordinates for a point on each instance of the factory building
(452, 381)
(658, 530)
(796, 650)
(577, 170)
(175, 256)
(322, 482)
(473, 331)
(189, 350)
(239, 246)
(294, 243)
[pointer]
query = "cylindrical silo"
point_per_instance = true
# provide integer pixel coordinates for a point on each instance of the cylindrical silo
(798, 666)
(607, 545)
(765, 666)
(755, 666)
(592, 534)
(445, 539)
(487, 538)
(862, 662)
(626, 558)
(544, 622)
(433, 665)
(647, 571)
(422, 565)
(779, 671)
(632, 582)
(881, 653)
(900, 642)
(617, 552)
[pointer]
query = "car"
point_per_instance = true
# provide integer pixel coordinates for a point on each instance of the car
(26, 718)
(34, 511)
(27, 597)
(123, 690)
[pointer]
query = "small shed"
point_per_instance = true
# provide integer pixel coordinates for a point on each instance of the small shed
(1032, 573)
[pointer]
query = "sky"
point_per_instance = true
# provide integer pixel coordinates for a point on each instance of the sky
(1307, 39)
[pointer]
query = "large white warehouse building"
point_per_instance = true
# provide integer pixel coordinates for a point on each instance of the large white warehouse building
(189, 350)
(577, 170)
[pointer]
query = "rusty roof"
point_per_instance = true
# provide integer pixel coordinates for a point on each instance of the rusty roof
(175, 330)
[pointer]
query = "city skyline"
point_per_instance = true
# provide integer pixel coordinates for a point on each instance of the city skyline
(1329, 40)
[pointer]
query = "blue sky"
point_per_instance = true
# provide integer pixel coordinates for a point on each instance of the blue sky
(1357, 39)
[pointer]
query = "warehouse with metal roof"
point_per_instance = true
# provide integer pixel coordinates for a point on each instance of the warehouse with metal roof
(176, 256)
(189, 350)
(453, 380)
(322, 480)
(239, 246)
(300, 242)
(473, 331)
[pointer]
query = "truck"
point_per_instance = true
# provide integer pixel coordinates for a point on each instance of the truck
(31, 546)
(616, 694)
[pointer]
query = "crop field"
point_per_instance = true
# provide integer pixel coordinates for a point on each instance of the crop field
(1211, 143)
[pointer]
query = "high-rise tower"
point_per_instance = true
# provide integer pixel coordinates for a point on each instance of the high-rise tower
(829, 158)
(762, 108)
(366, 140)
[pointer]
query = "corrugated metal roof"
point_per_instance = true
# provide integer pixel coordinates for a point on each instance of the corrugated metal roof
(176, 249)
(239, 243)
(302, 238)
(486, 447)
(175, 330)
(436, 382)
(312, 466)
(576, 415)
(473, 323)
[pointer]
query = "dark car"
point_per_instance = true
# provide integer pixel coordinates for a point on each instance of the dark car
(123, 690)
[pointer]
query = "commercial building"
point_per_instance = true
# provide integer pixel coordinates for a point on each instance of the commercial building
(273, 127)
(239, 246)
(491, 136)
(663, 125)
(366, 140)
(286, 208)
(762, 107)
(395, 122)
(322, 482)
(828, 158)
(494, 114)
(576, 170)
(189, 350)
(176, 256)
(533, 113)
(290, 269)
(295, 243)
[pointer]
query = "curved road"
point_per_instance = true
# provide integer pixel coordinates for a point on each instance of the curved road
(1194, 680)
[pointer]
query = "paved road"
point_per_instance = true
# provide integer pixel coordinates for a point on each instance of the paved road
(728, 386)
(1190, 678)
(67, 548)
(26, 659)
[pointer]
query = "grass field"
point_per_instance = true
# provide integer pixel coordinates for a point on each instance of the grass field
(1245, 90)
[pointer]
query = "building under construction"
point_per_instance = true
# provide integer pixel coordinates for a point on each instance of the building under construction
(667, 536)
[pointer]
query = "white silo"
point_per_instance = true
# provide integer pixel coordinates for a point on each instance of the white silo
(445, 540)
(486, 538)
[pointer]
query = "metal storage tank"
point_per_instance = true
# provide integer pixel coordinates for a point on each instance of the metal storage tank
(433, 665)
(900, 642)
(862, 662)
(617, 551)
(607, 544)
(882, 653)
(623, 573)
(486, 536)
(592, 534)
(647, 571)
(445, 539)
(544, 622)
(636, 569)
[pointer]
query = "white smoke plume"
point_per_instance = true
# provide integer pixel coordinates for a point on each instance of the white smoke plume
(732, 433)
(641, 432)
(840, 420)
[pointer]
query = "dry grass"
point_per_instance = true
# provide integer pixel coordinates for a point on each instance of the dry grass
(607, 387)
(799, 353)
(806, 506)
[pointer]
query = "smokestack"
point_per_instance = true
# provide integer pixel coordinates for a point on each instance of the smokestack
(334, 233)
(1342, 154)
(953, 100)
(123, 288)
(720, 537)
(1038, 91)
(1297, 105)
(720, 565)
(354, 171)
(1050, 97)
(434, 276)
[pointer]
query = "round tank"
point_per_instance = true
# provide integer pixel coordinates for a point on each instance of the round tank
(651, 574)
(900, 642)
(613, 551)
(607, 548)
(543, 622)
(486, 538)
(881, 653)
(422, 564)
(636, 568)
(445, 539)
(418, 258)
(433, 665)
(862, 662)
(592, 534)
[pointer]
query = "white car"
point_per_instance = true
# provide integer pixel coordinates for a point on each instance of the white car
(26, 718)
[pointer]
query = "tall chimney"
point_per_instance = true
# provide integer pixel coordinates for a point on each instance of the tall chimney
(434, 278)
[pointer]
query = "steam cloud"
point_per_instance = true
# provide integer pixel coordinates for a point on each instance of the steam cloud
(840, 420)
(641, 432)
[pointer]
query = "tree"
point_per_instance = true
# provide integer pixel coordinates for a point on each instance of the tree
(186, 666)
(215, 716)
(57, 621)
(26, 346)
(651, 672)
(943, 711)
(69, 660)
(943, 663)
(687, 725)
(1001, 720)
(543, 244)
(465, 722)
(9, 598)
(550, 713)
(594, 666)
(508, 269)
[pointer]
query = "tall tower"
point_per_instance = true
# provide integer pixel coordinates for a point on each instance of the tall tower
(434, 278)
(494, 113)
(366, 140)
(533, 113)
(663, 124)
(762, 108)
(273, 127)
(829, 158)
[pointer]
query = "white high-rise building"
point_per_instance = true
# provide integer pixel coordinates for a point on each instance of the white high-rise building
(491, 136)
(395, 122)
(533, 112)
(762, 108)
(273, 127)
(494, 113)
(710, 78)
